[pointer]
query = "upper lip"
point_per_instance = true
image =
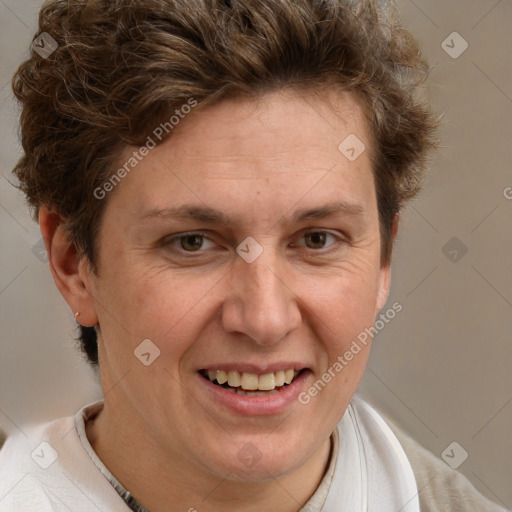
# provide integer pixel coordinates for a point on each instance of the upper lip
(260, 369)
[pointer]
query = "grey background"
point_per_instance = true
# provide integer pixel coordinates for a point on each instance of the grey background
(441, 368)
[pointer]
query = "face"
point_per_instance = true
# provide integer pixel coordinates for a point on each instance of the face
(247, 243)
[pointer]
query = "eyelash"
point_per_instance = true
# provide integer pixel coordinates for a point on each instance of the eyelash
(177, 238)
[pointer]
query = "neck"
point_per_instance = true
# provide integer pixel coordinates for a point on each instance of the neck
(156, 478)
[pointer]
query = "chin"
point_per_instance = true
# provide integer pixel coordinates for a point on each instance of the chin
(253, 462)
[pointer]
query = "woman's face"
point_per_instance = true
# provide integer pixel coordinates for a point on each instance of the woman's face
(246, 243)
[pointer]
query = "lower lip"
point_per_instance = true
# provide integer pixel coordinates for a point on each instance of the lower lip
(257, 405)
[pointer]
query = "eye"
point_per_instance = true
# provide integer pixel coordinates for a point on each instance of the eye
(318, 239)
(189, 242)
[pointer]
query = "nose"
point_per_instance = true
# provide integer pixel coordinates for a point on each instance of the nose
(261, 303)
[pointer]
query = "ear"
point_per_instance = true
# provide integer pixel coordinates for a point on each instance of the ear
(71, 273)
(385, 271)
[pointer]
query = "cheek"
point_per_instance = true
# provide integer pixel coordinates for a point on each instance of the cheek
(168, 307)
(342, 311)
(344, 298)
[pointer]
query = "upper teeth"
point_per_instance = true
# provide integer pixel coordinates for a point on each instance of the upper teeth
(252, 381)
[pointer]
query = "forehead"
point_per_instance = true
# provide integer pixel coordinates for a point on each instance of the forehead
(287, 125)
(284, 149)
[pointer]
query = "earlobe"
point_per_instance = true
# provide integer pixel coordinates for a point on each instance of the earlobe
(384, 284)
(69, 272)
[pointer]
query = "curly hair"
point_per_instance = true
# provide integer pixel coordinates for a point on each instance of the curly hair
(120, 67)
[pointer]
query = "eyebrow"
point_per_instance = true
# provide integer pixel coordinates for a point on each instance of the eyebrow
(211, 216)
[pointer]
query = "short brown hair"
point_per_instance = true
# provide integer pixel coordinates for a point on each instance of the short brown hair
(123, 66)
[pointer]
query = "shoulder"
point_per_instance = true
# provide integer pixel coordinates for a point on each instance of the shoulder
(26, 458)
(46, 468)
(440, 487)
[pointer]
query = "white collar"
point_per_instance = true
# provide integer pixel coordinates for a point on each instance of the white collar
(372, 472)
(368, 469)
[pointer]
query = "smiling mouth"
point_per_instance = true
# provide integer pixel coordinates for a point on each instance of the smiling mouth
(251, 384)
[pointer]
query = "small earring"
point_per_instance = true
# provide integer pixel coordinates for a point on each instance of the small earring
(76, 315)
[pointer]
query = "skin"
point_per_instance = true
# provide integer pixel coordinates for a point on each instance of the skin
(301, 300)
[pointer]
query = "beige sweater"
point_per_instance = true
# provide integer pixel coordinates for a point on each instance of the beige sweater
(441, 488)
